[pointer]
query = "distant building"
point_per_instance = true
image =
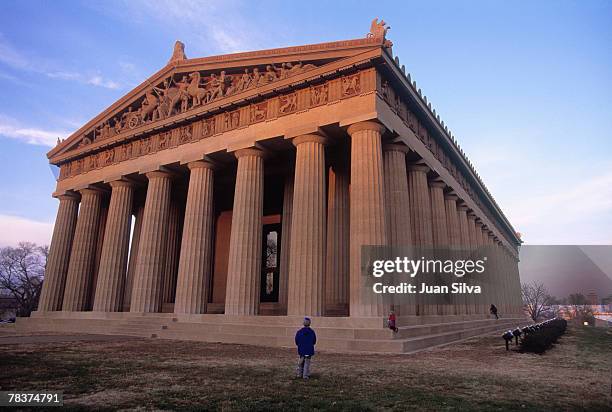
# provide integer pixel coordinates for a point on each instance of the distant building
(592, 299)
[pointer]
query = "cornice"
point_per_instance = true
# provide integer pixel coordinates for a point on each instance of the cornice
(426, 112)
(312, 76)
(331, 50)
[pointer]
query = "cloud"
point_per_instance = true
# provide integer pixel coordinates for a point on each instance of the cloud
(214, 25)
(11, 57)
(14, 229)
(11, 128)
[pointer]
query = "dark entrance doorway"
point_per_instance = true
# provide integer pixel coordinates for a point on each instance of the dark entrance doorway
(270, 262)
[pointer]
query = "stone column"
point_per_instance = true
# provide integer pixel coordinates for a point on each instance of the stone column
(452, 220)
(397, 199)
(454, 240)
(244, 268)
(129, 279)
(367, 210)
(464, 235)
(150, 262)
(338, 253)
(420, 205)
(479, 240)
(440, 233)
(113, 260)
(173, 247)
(438, 214)
(285, 241)
(52, 292)
(195, 262)
(307, 254)
(81, 266)
(465, 247)
(472, 229)
(478, 306)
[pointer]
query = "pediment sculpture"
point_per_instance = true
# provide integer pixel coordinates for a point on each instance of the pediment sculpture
(182, 92)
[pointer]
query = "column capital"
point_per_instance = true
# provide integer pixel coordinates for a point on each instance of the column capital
(158, 174)
(395, 147)
(451, 196)
(91, 191)
(437, 183)
(471, 215)
(417, 167)
(252, 151)
(121, 183)
(201, 164)
(68, 195)
(310, 137)
(366, 125)
(462, 207)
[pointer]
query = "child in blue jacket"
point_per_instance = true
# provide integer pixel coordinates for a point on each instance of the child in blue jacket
(305, 340)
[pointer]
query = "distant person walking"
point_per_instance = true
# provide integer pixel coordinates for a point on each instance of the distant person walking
(493, 310)
(391, 322)
(305, 340)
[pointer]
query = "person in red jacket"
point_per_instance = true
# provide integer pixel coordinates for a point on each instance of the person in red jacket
(305, 340)
(391, 322)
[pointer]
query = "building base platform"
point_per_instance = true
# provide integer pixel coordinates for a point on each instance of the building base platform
(342, 334)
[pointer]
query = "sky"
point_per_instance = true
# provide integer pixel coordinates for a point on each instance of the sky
(525, 87)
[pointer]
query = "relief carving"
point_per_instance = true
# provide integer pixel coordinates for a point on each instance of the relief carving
(172, 96)
(259, 112)
(208, 127)
(318, 95)
(185, 134)
(350, 85)
(288, 103)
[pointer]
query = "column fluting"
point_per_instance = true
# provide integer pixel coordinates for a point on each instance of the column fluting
(151, 259)
(420, 205)
(81, 266)
(397, 200)
(338, 253)
(195, 262)
(244, 267)
(367, 210)
(307, 252)
(113, 260)
(52, 293)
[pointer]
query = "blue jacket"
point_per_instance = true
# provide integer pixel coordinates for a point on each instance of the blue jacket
(305, 339)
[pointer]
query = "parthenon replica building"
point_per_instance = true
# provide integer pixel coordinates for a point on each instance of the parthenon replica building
(229, 196)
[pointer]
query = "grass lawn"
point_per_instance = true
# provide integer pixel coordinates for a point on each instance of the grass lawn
(159, 374)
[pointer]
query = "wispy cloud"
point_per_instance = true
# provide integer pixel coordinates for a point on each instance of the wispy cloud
(13, 58)
(218, 26)
(14, 229)
(13, 129)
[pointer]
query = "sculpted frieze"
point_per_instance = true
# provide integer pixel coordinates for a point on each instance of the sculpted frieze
(182, 92)
(321, 94)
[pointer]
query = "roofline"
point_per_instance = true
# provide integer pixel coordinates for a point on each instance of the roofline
(302, 51)
(425, 108)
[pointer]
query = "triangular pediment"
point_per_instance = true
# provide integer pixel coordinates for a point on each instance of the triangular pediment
(187, 86)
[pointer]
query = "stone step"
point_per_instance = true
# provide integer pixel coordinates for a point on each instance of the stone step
(232, 330)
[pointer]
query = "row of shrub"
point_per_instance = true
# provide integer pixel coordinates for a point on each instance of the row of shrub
(541, 336)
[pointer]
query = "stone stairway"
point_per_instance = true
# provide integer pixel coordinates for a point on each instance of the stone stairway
(345, 339)
(334, 334)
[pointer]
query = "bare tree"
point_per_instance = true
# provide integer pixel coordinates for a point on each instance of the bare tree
(22, 269)
(536, 299)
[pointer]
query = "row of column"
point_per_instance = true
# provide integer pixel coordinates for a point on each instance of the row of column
(390, 203)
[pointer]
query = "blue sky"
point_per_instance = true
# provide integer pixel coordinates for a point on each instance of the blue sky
(526, 88)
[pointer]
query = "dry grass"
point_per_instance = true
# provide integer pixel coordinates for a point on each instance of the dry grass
(475, 375)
